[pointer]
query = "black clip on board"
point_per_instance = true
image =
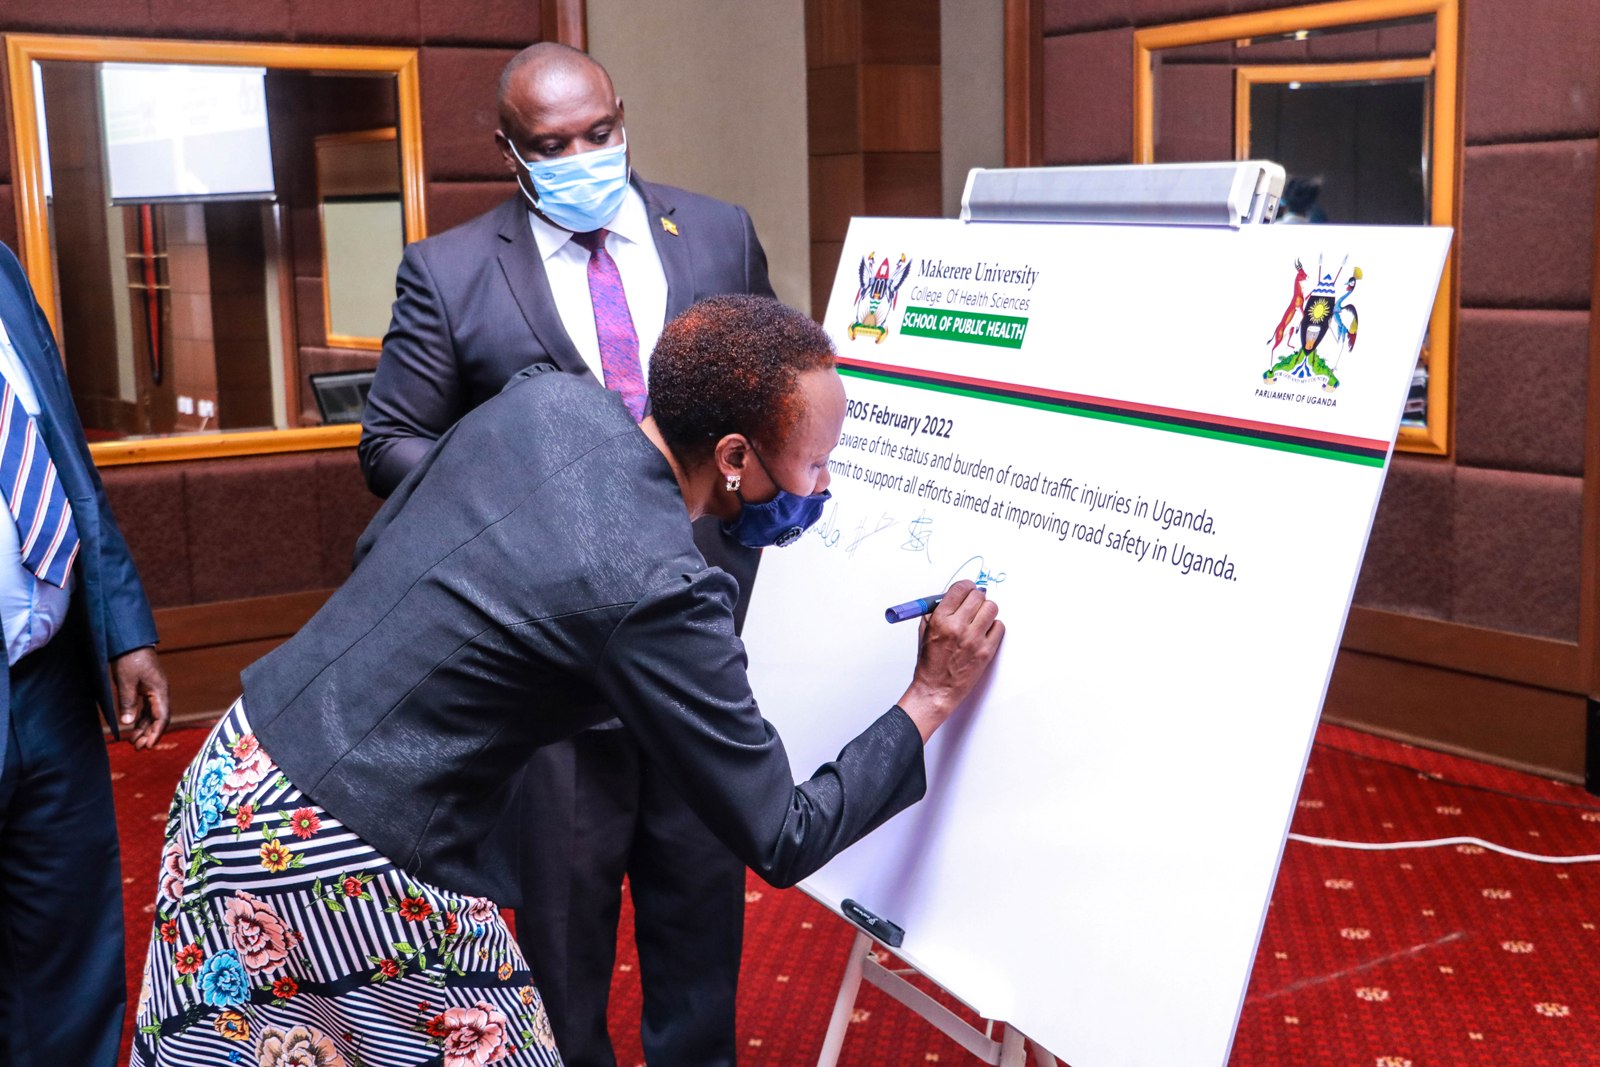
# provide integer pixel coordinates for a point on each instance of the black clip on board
(882, 929)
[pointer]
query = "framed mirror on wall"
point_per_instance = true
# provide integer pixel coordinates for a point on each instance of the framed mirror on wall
(1358, 100)
(363, 220)
(204, 223)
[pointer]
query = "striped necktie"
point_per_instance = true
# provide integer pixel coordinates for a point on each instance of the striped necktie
(613, 324)
(28, 481)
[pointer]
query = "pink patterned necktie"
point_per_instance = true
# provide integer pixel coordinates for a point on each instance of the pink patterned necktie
(613, 324)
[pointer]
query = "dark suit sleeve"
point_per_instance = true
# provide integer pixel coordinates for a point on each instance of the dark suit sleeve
(417, 393)
(675, 673)
(126, 611)
(755, 258)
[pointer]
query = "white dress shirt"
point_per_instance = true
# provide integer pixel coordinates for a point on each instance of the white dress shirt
(31, 611)
(631, 243)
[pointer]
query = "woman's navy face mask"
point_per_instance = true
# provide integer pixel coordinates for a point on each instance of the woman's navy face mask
(778, 522)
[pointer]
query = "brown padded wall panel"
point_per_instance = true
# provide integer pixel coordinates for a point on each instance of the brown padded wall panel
(79, 16)
(1344, 46)
(8, 218)
(458, 112)
(1406, 568)
(356, 21)
(1399, 42)
(1196, 120)
(1517, 546)
(252, 526)
(1155, 12)
(5, 147)
(1527, 225)
(1088, 109)
(1075, 16)
(344, 507)
(254, 20)
(452, 203)
(507, 23)
(1531, 73)
(1520, 390)
(148, 502)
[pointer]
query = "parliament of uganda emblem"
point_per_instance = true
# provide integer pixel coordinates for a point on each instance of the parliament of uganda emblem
(1298, 351)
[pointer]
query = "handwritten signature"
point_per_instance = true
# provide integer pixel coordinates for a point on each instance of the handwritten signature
(985, 575)
(861, 533)
(919, 535)
(828, 527)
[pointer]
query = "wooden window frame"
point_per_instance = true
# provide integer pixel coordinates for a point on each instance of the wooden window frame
(23, 50)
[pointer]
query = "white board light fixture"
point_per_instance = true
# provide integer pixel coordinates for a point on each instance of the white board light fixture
(1164, 194)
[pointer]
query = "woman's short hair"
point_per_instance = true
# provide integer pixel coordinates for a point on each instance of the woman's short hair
(732, 364)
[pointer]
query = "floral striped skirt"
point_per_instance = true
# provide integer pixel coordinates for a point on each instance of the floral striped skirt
(281, 939)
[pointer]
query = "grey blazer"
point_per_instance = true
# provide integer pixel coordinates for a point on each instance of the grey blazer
(535, 570)
(473, 307)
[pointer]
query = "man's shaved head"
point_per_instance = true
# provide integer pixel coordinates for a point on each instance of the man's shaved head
(541, 76)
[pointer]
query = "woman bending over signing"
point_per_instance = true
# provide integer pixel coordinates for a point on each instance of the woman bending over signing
(332, 876)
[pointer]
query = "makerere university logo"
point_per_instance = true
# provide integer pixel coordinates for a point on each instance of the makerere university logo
(878, 295)
(1306, 352)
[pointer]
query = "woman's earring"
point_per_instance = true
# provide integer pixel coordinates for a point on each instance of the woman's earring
(733, 483)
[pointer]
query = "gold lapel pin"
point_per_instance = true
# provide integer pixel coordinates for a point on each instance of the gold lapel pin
(668, 225)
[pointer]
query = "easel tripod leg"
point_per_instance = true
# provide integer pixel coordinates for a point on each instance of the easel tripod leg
(833, 1043)
(1013, 1048)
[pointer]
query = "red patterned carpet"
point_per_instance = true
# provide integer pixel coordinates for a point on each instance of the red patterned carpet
(1422, 958)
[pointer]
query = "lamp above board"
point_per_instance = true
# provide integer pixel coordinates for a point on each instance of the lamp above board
(1165, 194)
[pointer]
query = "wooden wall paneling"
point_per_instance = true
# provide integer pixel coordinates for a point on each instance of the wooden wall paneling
(1523, 658)
(838, 191)
(1525, 727)
(902, 184)
(566, 21)
(833, 110)
(872, 118)
(824, 266)
(833, 33)
(205, 646)
(1024, 82)
(900, 107)
(227, 622)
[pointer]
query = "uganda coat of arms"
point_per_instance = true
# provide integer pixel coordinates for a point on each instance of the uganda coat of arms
(1305, 357)
(878, 294)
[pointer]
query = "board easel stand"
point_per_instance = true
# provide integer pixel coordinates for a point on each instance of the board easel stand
(1184, 194)
(1009, 1051)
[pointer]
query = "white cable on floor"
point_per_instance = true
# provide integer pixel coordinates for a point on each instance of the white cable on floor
(1388, 846)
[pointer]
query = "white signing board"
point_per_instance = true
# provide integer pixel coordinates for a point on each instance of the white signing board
(1163, 448)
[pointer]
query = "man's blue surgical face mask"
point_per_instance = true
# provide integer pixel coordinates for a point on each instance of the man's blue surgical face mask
(580, 192)
(777, 522)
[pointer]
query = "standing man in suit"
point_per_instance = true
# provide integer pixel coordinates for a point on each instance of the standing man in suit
(581, 270)
(72, 606)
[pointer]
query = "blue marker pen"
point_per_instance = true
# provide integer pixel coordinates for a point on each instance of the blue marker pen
(912, 609)
(915, 609)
